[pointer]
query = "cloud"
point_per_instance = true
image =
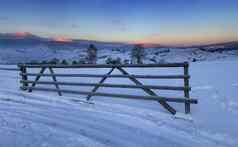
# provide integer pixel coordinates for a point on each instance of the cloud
(22, 34)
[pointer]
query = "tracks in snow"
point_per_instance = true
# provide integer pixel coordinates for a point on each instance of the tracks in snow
(41, 120)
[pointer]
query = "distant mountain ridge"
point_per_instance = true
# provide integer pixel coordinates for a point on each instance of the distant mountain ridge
(28, 39)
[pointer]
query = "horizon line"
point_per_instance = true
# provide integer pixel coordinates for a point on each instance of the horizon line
(71, 39)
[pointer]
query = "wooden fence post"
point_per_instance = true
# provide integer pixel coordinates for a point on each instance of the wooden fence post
(24, 76)
(186, 84)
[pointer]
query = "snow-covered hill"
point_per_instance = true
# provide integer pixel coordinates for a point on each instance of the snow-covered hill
(152, 55)
(48, 120)
(29, 47)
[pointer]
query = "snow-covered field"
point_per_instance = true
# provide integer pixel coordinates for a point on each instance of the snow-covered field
(39, 53)
(41, 119)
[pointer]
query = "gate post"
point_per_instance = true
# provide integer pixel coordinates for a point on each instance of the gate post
(23, 76)
(186, 85)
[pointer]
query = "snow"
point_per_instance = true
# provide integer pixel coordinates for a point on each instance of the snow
(40, 52)
(47, 120)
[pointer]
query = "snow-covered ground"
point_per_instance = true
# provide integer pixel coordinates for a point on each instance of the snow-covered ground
(46, 120)
(42, 52)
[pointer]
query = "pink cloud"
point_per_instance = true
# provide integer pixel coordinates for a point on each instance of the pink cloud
(22, 34)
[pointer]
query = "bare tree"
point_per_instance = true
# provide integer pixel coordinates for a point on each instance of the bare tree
(137, 54)
(92, 54)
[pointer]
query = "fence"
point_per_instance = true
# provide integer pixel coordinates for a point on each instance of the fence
(9, 69)
(30, 84)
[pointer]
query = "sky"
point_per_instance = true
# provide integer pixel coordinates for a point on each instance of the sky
(171, 22)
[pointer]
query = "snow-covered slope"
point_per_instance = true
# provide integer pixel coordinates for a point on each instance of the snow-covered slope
(26, 47)
(45, 52)
(188, 54)
(45, 119)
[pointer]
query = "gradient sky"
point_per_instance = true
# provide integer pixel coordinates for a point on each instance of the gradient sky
(174, 22)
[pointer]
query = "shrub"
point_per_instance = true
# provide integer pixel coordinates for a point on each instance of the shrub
(54, 61)
(44, 62)
(109, 60)
(64, 62)
(113, 61)
(126, 61)
(194, 60)
(153, 59)
(74, 62)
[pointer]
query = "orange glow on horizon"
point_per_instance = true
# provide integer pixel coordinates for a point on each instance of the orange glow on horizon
(148, 41)
(144, 44)
(184, 40)
(62, 40)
